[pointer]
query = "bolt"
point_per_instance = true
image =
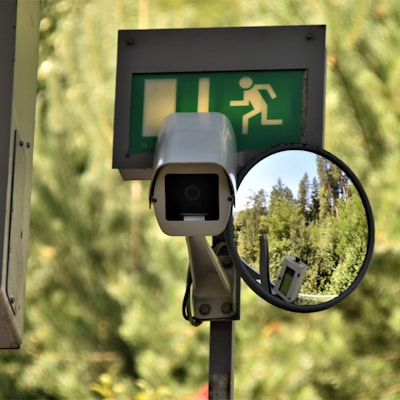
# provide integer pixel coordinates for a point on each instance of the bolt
(28, 145)
(21, 143)
(309, 36)
(226, 308)
(130, 42)
(205, 309)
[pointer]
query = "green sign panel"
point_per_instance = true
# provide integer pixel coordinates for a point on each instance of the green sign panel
(264, 107)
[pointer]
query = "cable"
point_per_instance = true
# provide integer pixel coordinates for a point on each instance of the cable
(186, 304)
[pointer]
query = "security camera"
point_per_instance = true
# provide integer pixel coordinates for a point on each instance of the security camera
(290, 278)
(194, 174)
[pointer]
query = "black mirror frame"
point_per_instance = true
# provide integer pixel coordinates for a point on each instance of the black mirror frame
(242, 266)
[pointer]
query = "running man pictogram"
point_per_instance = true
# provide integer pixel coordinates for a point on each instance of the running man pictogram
(252, 96)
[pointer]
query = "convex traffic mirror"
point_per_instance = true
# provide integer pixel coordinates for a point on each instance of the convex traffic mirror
(302, 230)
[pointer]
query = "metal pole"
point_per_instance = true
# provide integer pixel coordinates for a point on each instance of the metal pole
(220, 384)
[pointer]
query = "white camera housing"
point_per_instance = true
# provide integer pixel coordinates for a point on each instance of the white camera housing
(194, 174)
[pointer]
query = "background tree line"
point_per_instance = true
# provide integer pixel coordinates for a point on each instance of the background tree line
(105, 286)
(324, 225)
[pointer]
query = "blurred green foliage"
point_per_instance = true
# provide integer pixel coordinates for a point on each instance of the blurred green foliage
(105, 286)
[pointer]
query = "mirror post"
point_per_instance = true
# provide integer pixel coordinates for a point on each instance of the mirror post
(220, 385)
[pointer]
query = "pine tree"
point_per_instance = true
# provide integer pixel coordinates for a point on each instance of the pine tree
(315, 202)
(249, 226)
(304, 197)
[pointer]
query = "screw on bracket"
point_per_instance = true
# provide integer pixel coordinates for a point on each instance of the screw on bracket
(205, 309)
(226, 308)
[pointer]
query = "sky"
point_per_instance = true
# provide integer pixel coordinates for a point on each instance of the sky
(290, 166)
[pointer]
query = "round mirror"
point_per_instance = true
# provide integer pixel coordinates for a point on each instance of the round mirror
(302, 229)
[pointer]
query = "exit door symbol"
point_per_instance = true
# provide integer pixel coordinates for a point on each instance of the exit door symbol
(159, 100)
(252, 96)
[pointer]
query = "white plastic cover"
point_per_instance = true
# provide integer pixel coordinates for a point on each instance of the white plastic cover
(194, 137)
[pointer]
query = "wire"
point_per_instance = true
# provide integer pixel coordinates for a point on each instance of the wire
(186, 304)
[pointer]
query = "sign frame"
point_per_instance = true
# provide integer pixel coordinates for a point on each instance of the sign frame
(217, 50)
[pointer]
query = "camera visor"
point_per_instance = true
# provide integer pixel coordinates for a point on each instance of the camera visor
(191, 196)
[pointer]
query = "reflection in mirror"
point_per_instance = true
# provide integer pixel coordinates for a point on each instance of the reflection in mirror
(314, 221)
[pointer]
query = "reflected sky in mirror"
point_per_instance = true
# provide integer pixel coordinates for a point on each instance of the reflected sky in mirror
(288, 165)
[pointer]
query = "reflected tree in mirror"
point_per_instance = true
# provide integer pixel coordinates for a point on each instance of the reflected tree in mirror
(309, 209)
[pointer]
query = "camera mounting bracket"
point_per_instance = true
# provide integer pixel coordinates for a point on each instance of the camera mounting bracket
(215, 294)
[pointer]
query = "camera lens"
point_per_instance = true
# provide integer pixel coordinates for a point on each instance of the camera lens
(192, 193)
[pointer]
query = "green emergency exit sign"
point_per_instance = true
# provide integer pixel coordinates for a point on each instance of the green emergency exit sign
(264, 107)
(268, 81)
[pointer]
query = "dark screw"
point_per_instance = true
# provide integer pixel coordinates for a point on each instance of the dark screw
(205, 309)
(130, 42)
(226, 308)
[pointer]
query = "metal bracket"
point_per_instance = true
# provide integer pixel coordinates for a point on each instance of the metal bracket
(215, 293)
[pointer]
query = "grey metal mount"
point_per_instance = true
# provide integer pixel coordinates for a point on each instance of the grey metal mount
(215, 281)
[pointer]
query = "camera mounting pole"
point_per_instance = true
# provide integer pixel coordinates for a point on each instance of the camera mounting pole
(220, 374)
(216, 298)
